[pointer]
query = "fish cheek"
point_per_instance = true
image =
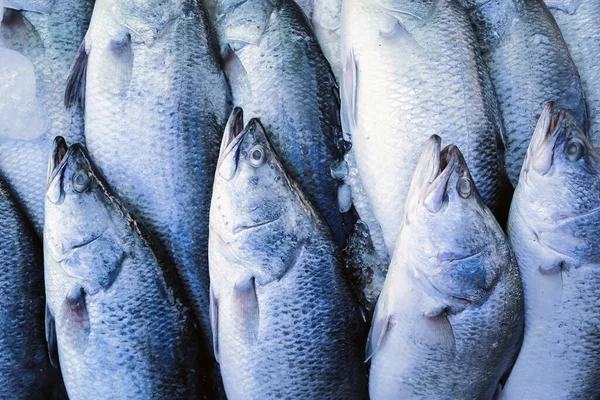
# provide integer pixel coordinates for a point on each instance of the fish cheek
(97, 264)
(268, 257)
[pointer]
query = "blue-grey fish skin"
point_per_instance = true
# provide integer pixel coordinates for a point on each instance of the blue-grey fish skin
(449, 320)
(284, 321)
(553, 225)
(529, 64)
(115, 306)
(25, 370)
(156, 101)
(50, 41)
(278, 73)
(578, 23)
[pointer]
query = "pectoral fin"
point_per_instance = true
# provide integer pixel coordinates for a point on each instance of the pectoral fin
(379, 328)
(75, 90)
(51, 338)
(214, 322)
(247, 306)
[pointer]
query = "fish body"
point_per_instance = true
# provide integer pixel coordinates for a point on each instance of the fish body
(156, 101)
(285, 323)
(49, 41)
(116, 313)
(578, 23)
(25, 370)
(411, 70)
(326, 21)
(449, 320)
(273, 54)
(552, 228)
(529, 64)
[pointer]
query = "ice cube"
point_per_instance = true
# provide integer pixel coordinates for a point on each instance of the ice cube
(21, 113)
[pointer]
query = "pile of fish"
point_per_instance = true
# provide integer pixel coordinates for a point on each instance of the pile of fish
(321, 199)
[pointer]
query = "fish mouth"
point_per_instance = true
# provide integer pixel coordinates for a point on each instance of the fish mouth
(233, 132)
(540, 152)
(448, 162)
(552, 128)
(58, 158)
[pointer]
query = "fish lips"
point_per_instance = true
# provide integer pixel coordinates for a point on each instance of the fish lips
(552, 129)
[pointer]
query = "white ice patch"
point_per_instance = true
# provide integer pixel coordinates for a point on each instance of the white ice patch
(344, 198)
(21, 113)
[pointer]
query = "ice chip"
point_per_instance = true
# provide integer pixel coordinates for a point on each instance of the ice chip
(21, 113)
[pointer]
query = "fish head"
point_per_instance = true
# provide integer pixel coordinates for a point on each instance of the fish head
(257, 212)
(242, 23)
(559, 186)
(449, 237)
(146, 21)
(81, 217)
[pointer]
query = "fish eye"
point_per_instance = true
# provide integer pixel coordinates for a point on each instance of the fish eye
(257, 156)
(464, 188)
(574, 149)
(81, 181)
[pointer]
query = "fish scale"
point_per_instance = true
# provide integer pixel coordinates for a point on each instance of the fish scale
(116, 311)
(552, 228)
(416, 76)
(25, 371)
(452, 301)
(50, 43)
(154, 117)
(286, 66)
(581, 31)
(529, 64)
(284, 320)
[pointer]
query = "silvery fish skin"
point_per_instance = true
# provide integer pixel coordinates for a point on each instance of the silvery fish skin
(25, 370)
(115, 308)
(449, 320)
(411, 69)
(578, 22)
(553, 225)
(156, 101)
(529, 64)
(278, 74)
(285, 323)
(326, 21)
(50, 41)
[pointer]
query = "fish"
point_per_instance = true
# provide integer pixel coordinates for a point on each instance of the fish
(48, 37)
(156, 101)
(270, 52)
(25, 370)
(410, 70)
(553, 224)
(326, 22)
(529, 64)
(449, 320)
(117, 318)
(285, 324)
(577, 20)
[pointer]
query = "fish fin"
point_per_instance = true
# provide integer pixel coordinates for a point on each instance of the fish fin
(43, 7)
(379, 327)
(247, 303)
(75, 306)
(75, 89)
(237, 76)
(214, 322)
(441, 332)
(122, 62)
(51, 338)
(349, 94)
(568, 6)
